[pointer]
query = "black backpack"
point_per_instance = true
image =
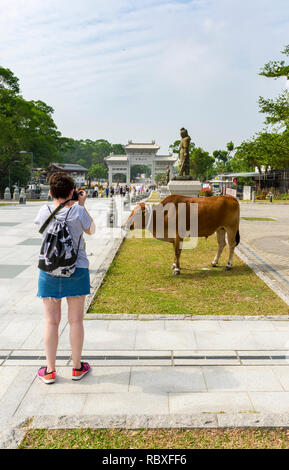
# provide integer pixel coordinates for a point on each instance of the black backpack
(57, 255)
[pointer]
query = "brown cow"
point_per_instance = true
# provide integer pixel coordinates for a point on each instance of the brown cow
(220, 214)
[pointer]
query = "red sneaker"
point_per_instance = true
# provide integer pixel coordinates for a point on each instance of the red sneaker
(77, 374)
(46, 377)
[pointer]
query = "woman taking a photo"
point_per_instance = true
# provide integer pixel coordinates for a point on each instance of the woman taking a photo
(52, 288)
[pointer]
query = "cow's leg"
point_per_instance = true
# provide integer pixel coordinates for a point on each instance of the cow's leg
(175, 260)
(221, 244)
(232, 245)
(178, 249)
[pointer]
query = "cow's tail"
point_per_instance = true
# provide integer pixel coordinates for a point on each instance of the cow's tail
(237, 238)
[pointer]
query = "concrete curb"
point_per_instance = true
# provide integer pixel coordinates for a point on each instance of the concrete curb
(262, 275)
(202, 420)
(12, 437)
(12, 432)
(127, 316)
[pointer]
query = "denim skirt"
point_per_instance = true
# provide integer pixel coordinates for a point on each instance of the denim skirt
(58, 287)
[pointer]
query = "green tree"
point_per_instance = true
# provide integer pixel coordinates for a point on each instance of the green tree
(137, 170)
(276, 69)
(201, 163)
(268, 149)
(277, 110)
(98, 171)
(102, 150)
(8, 81)
(118, 149)
(81, 162)
(223, 158)
(25, 126)
(89, 151)
(264, 150)
(160, 178)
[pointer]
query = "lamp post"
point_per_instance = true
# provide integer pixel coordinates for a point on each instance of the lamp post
(14, 161)
(31, 163)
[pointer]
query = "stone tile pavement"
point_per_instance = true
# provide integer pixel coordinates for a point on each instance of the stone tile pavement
(220, 367)
(161, 372)
(266, 243)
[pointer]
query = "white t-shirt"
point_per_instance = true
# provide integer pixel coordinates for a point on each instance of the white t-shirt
(77, 221)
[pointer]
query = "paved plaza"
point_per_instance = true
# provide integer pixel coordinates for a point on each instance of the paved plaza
(219, 371)
(266, 243)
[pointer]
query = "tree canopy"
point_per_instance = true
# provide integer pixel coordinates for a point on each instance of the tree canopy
(97, 171)
(223, 159)
(277, 110)
(201, 164)
(26, 126)
(89, 152)
(269, 148)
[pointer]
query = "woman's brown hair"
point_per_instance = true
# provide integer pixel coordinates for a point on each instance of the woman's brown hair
(61, 185)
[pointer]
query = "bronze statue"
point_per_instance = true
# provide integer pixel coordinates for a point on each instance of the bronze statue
(184, 153)
(168, 175)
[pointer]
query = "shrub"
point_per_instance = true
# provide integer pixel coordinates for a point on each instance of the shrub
(284, 196)
(262, 195)
(207, 192)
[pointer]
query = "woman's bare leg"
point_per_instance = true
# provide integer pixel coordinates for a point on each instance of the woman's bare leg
(52, 310)
(76, 335)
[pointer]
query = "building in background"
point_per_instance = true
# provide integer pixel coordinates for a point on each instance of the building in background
(139, 154)
(77, 172)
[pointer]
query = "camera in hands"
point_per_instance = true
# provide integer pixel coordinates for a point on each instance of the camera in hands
(75, 195)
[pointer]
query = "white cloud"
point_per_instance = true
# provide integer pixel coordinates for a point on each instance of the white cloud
(128, 69)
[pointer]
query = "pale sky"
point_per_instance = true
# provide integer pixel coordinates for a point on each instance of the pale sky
(140, 70)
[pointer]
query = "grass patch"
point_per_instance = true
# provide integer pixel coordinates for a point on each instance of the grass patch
(8, 203)
(262, 219)
(253, 438)
(17, 203)
(276, 201)
(154, 197)
(140, 281)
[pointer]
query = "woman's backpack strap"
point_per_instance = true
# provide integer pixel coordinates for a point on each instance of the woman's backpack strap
(52, 215)
(67, 214)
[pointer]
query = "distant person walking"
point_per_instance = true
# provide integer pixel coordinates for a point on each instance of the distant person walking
(53, 288)
(107, 191)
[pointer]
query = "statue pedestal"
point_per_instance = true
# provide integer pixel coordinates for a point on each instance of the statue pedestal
(44, 192)
(185, 187)
(164, 192)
